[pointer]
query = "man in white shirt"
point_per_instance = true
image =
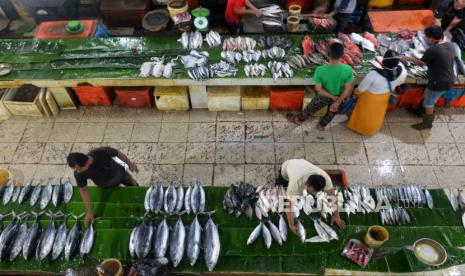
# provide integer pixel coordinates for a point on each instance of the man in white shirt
(302, 175)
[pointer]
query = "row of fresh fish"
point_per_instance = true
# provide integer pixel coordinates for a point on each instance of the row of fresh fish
(280, 69)
(457, 200)
(224, 69)
(146, 238)
(362, 41)
(240, 200)
(191, 40)
(50, 243)
(157, 68)
(270, 200)
(408, 195)
(245, 56)
(394, 216)
(239, 43)
(358, 199)
(194, 59)
(298, 61)
(324, 231)
(274, 41)
(213, 39)
(274, 53)
(56, 193)
(271, 11)
(201, 73)
(255, 70)
(175, 198)
(269, 233)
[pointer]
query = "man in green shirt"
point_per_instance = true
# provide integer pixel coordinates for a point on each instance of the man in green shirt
(333, 83)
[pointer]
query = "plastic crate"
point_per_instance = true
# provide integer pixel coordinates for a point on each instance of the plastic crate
(224, 98)
(91, 95)
(408, 95)
(338, 177)
(123, 13)
(24, 101)
(255, 98)
(135, 96)
(171, 98)
(286, 97)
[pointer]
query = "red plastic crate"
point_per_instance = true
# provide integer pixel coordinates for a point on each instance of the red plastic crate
(135, 96)
(286, 97)
(123, 13)
(91, 95)
(410, 95)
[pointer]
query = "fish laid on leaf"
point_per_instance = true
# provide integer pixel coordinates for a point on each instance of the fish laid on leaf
(87, 241)
(197, 198)
(240, 199)
(194, 241)
(17, 246)
(211, 244)
(32, 238)
(45, 244)
(25, 193)
(143, 239)
(57, 194)
(46, 194)
(161, 240)
(267, 42)
(7, 238)
(371, 38)
(170, 198)
(8, 193)
(60, 239)
(35, 195)
(73, 239)
(177, 242)
(308, 46)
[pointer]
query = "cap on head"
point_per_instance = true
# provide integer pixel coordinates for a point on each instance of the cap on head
(336, 50)
(434, 32)
(317, 182)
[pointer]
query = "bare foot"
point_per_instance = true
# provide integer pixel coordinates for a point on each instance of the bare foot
(320, 127)
(293, 119)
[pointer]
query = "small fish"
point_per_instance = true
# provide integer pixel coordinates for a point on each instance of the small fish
(68, 191)
(147, 198)
(255, 234)
(301, 231)
(25, 192)
(46, 195)
(463, 219)
(316, 239)
(429, 199)
(8, 192)
(266, 235)
(282, 227)
(187, 200)
(331, 233)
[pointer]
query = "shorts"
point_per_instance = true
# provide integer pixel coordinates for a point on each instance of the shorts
(430, 97)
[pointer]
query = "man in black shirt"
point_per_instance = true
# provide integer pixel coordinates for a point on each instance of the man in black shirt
(99, 166)
(451, 14)
(441, 77)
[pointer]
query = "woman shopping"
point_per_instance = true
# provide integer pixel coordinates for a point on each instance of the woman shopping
(373, 95)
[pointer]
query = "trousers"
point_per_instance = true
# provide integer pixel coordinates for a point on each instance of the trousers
(316, 104)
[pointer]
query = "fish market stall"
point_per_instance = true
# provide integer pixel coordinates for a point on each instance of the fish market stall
(129, 222)
(193, 59)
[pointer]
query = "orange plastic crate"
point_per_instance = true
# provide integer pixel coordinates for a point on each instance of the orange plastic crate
(286, 97)
(135, 96)
(410, 96)
(91, 95)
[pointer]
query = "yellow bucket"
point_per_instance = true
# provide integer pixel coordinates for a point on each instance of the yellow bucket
(4, 176)
(112, 267)
(376, 236)
(176, 7)
(295, 10)
(293, 23)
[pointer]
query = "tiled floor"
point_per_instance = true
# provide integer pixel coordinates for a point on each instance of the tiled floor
(228, 147)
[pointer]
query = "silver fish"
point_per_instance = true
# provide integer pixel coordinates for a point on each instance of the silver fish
(160, 242)
(177, 241)
(212, 245)
(25, 192)
(156, 198)
(60, 239)
(143, 240)
(44, 247)
(68, 191)
(301, 231)
(179, 198)
(266, 235)
(8, 192)
(132, 240)
(20, 238)
(197, 199)
(15, 195)
(35, 194)
(187, 200)
(46, 195)
(275, 233)
(193, 241)
(87, 240)
(57, 194)
(31, 240)
(147, 198)
(255, 234)
(331, 233)
(316, 239)
(463, 220)
(8, 236)
(453, 199)
(170, 199)
(282, 227)
(72, 240)
(429, 199)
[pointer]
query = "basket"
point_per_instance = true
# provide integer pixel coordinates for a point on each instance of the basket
(156, 20)
(376, 236)
(293, 23)
(112, 267)
(177, 6)
(295, 10)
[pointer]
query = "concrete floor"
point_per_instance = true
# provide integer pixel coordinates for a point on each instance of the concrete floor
(228, 147)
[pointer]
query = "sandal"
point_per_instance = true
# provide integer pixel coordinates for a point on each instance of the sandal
(293, 119)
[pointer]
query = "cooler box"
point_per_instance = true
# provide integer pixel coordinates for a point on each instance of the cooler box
(135, 96)
(124, 13)
(171, 98)
(286, 97)
(24, 101)
(62, 97)
(255, 98)
(224, 98)
(91, 95)
(198, 96)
